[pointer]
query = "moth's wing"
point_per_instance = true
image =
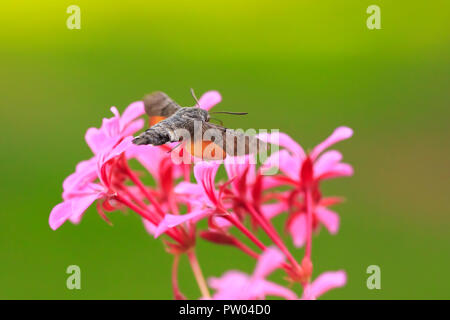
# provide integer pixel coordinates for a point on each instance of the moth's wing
(203, 148)
(238, 144)
(232, 142)
(159, 106)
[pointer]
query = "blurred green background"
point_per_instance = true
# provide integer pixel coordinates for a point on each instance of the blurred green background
(304, 67)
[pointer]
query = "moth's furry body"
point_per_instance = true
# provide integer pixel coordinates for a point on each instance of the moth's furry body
(167, 130)
(158, 104)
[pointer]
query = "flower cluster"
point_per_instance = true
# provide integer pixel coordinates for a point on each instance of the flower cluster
(246, 202)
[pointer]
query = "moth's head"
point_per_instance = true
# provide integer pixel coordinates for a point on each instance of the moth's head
(195, 114)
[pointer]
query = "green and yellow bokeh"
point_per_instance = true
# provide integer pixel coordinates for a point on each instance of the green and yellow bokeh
(304, 67)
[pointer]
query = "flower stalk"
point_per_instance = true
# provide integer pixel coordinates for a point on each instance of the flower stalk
(198, 274)
(174, 205)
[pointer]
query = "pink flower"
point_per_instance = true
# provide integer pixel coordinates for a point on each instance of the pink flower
(108, 180)
(325, 282)
(292, 159)
(157, 161)
(247, 187)
(85, 173)
(111, 133)
(305, 172)
(209, 99)
(114, 129)
(243, 172)
(202, 196)
(82, 195)
(297, 225)
(236, 285)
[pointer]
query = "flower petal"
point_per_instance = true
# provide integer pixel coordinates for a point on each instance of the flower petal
(237, 166)
(133, 127)
(107, 155)
(59, 214)
(289, 165)
(73, 209)
(268, 288)
(271, 210)
(284, 140)
(286, 162)
(117, 150)
(149, 156)
(269, 260)
(297, 228)
(80, 205)
(339, 134)
(271, 182)
(232, 285)
(328, 218)
(222, 222)
(111, 126)
(337, 171)
(171, 220)
(326, 162)
(115, 128)
(209, 99)
(188, 188)
(325, 282)
(205, 171)
(95, 139)
(133, 111)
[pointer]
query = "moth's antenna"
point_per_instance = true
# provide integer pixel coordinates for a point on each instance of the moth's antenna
(228, 112)
(195, 98)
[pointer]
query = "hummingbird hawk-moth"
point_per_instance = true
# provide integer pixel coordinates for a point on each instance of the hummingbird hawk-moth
(191, 125)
